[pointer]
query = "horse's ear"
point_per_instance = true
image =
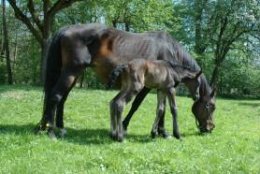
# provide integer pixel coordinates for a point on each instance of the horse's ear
(199, 73)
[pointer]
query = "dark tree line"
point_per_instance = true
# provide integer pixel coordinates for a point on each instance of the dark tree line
(223, 35)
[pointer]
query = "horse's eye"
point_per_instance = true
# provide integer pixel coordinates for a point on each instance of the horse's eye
(207, 106)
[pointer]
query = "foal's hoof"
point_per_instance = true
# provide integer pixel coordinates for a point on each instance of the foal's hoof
(120, 139)
(164, 133)
(116, 137)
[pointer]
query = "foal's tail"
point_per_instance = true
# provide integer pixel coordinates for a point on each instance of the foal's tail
(115, 74)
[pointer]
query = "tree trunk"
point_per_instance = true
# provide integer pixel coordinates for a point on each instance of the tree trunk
(215, 75)
(40, 24)
(200, 46)
(44, 49)
(6, 46)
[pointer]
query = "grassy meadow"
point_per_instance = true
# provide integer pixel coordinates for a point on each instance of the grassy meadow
(233, 147)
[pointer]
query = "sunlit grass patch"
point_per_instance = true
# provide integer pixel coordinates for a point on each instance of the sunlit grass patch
(233, 147)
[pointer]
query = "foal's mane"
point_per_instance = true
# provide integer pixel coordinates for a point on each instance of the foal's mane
(186, 67)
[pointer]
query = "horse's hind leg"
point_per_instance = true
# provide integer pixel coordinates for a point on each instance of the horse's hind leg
(135, 105)
(160, 111)
(64, 84)
(60, 112)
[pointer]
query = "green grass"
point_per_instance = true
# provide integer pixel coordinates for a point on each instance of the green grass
(233, 147)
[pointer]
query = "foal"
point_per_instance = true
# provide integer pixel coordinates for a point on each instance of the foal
(138, 73)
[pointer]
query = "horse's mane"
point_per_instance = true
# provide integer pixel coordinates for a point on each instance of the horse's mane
(185, 58)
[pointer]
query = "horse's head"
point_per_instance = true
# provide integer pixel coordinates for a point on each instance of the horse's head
(203, 109)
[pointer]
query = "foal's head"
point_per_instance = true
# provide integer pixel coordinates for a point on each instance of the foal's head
(193, 85)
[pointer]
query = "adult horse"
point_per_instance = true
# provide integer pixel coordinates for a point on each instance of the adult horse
(76, 47)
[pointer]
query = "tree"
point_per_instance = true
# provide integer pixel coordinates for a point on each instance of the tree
(6, 45)
(139, 15)
(38, 17)
(218, 25)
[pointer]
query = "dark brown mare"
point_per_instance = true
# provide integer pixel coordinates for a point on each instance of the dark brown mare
(74, 48)
(139, 73)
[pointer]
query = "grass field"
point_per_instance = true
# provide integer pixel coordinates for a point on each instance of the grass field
(233, 147)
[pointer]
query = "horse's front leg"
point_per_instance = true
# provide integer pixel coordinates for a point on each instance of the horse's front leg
(135, 105)
(160, 111)
(173, 107)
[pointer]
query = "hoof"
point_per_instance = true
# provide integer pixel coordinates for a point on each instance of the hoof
(153, 134)
(120, 139)
(62, 132)
(52, 135)
(113, 135)
(40, 127)
(125, 133)
(163, 133)
(116, 137)
(177, 136)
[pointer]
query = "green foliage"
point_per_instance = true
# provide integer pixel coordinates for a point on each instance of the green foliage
(91, 80)
(27, 70)
(239, 72)
(140, 15)
(233, 147)
(2, 72)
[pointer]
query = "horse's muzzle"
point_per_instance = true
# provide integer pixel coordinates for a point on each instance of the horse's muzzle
(208, 129)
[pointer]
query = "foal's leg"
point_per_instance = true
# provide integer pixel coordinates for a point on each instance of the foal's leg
(135, 105)
(161, 129)
(161, 97)
(65, 82)
(117, 107)
(173, 107)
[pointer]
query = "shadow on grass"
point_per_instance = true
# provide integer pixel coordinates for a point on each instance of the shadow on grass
(77, 136)
(191, 134)
(252, 104)
(16, 129)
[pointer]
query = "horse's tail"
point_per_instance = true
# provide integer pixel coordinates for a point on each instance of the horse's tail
(52, 65)
(115, 74)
